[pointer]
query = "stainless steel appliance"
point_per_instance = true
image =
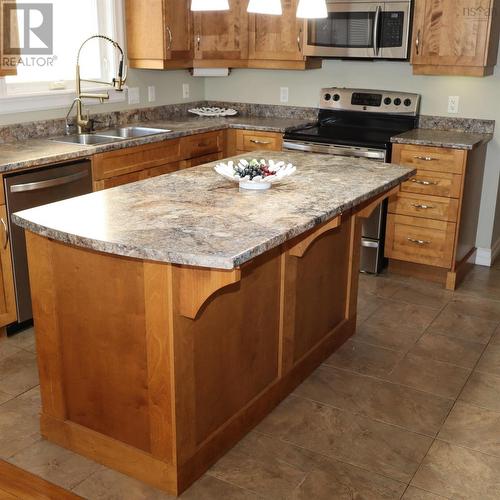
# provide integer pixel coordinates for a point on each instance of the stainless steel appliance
(360, 123)
(31, 189)
(376, 29)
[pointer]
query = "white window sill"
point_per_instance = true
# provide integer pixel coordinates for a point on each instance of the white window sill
(53, 99)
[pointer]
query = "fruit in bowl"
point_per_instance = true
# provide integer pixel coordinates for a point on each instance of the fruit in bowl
(255, 174)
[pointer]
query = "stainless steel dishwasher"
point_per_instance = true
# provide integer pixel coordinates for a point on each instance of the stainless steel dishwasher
(31, 189)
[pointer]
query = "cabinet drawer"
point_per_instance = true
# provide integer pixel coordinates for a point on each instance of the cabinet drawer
(430, 207)
(119, 180)
(434, 184)
(423, 241)
(433, 159)
(201, 160)
(253, 141)
(127, 160)
(201, 144)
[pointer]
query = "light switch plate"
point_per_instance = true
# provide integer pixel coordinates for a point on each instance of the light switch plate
(151, 93)
(134, 95)
(185, 90)
(453, 104)
(284, 94)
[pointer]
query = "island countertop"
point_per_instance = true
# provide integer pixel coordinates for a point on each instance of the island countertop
(195, 217)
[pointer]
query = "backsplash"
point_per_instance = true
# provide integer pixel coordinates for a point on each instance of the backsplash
(47, 128)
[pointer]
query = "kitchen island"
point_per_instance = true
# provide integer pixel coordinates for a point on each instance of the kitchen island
(173, 314)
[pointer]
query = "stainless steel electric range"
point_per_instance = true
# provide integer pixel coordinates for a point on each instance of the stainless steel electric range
(360, 123)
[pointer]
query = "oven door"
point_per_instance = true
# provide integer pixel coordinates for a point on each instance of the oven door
(360, 29)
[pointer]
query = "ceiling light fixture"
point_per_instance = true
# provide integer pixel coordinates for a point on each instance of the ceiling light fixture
(209, 5)
(312, 9)
(272, 7)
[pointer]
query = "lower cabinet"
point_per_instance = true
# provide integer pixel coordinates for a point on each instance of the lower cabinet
(8, 312)
(432, 222)
(246, 141)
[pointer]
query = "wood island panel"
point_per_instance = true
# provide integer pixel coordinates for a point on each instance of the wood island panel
(157, 370)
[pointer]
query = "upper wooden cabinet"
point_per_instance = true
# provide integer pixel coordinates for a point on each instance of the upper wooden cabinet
(159, 34)
(455, 37)
(221, 38)
(274, 40)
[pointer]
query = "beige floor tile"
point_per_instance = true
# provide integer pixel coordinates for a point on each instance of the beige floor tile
(451, 350)
(478, 307)
(5, 397)
(490, 360)
(54, 464)
(459, 474)
(381, 286)
(428, 375)
(364, 358)
(6, 348)
(482, 389)
(110, 485)
(367, 305)
(384, 401)
(457, 325)
(24, 340)
(481, 282)
(18, 372)
(473, 427)
(384, 337)
(496, 337)
(413, 493)
(422, 293)
(398, 316)
(344, 436)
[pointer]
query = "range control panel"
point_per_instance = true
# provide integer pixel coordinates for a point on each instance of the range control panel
(373, 101)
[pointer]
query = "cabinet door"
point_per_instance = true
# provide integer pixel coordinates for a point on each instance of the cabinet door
(222, 35)
(276, 37)
(178, 24)
(7, 297)
(452, 32)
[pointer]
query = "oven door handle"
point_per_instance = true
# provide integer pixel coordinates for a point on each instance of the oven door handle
(379, 155)
(376, 30)
(58, 181)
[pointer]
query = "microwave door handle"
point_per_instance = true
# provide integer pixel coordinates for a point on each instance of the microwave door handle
(376, 24)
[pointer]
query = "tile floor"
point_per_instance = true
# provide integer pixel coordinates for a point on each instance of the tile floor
(408, 409)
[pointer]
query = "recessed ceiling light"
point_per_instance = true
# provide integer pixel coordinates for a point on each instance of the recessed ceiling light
(312, 9)
(209, 5)
(272, 7)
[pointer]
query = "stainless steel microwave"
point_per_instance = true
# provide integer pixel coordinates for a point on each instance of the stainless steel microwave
(361, 29)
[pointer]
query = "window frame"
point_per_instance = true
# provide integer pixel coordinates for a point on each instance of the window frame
(37, 96)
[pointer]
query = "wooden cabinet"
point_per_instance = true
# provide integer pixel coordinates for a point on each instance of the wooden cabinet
(432, 222)
(277, 41)
(142, 162)
(221, 37)
(245, 141)
(455, 37)
(8, 312)
(159, 34)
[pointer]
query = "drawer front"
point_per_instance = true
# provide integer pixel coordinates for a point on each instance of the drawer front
(161, 170)
(434, 184)
(421, 241)
(201, 144)
(433, 159)
(204, 159)
(119, 180)
(430, 207)
(134, 159)
(257, 141)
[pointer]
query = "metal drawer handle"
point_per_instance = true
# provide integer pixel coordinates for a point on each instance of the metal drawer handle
(198, 42)
(419, 242)
(299, 40)
(417, 42)
(425, 158)
(170, 38)
(423, 207)
(33, 186)
(424, 183)
(7, 233)
(255, 141)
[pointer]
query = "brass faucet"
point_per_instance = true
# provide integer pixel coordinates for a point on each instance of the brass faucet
(85, 124)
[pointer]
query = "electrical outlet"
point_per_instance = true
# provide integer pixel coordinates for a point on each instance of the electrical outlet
(151, 93)
(453, 104)
(185, 90)
(134, 95)
(284, 94)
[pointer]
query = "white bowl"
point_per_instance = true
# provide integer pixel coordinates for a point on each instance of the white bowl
(213, 112)
(280, 170)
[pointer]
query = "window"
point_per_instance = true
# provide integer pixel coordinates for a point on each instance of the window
(54, 84)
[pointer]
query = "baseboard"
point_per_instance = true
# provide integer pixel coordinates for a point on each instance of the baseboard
(486, 256)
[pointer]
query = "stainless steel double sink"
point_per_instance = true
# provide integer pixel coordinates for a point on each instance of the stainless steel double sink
(108, 136)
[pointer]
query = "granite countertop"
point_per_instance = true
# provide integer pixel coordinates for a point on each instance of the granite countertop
(38, 152)
(442, 138)
(195, 217)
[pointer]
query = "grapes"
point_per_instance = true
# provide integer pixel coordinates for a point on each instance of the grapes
(252, 169)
